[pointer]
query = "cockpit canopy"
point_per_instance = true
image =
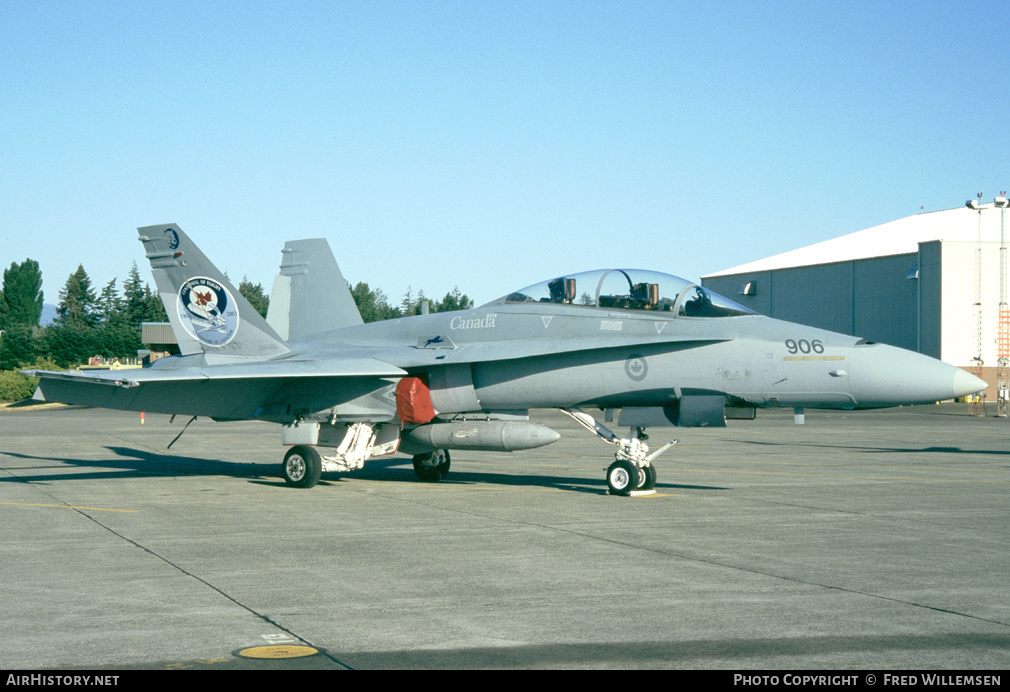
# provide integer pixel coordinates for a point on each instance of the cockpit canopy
(628, 289)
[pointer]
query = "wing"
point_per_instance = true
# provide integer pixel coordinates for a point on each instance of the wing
(276, 391)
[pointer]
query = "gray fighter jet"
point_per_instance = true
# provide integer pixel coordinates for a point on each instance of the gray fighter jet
(664, 351)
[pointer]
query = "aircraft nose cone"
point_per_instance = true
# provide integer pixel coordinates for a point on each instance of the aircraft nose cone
(890, 376)
(965, 383)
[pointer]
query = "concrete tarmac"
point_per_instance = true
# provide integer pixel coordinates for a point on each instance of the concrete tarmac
(866, 540)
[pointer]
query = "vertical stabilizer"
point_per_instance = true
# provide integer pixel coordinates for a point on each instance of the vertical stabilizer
(207, 314)
(310, 295)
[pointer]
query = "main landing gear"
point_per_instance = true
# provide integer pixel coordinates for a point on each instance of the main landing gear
(303, 464)
(632, 473)
(432, 467)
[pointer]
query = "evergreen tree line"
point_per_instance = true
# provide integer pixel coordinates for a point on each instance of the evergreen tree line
(87, 323)
(374, 305)
(107, 323)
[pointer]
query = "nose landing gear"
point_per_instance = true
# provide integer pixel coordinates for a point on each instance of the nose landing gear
(632, 473)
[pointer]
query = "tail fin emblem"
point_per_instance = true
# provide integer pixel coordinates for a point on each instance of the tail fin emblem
(208, 311)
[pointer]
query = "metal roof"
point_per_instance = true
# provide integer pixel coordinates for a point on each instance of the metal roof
(157, 333)
(893, 238)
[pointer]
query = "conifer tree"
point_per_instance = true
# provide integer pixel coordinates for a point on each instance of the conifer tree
(256, 296)
(77, 306)
(21, 295)
(454, 300)
(134, 300)
(372, 304)
(111, 308)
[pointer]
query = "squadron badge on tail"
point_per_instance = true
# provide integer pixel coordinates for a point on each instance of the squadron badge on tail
(208, 311)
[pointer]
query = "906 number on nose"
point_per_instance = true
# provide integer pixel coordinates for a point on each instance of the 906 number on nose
(804, 346)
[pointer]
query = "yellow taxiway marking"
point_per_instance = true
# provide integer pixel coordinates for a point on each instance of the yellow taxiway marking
(814, 358)
(283, 651)
(94, 509)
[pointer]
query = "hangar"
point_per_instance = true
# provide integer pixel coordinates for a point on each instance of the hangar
(929, 283)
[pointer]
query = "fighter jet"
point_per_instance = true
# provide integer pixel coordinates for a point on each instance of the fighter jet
(660, 349)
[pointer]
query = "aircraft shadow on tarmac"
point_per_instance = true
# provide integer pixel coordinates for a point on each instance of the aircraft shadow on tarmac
(132, 463)
(669, 653)
(878, 450)
(400, 469)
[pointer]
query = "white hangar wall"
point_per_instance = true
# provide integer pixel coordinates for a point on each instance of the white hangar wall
(949, 325)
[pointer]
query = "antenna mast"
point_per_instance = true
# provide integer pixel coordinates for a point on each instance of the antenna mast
(1003, 326)
(976, 407)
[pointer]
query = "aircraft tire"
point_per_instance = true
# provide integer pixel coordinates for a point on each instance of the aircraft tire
(302, 466)
(623, 477)
(649, 481)
(432, 467)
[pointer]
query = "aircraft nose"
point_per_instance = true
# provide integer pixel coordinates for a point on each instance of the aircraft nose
(889, 376)
(965, 383)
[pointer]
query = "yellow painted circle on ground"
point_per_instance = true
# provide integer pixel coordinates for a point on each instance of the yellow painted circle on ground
(283, 651)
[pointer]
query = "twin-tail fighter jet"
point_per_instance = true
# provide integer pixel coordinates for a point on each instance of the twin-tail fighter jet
(664, 351)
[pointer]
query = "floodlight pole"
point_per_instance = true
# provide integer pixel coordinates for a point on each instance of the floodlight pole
(977, 407)
(1003, 326)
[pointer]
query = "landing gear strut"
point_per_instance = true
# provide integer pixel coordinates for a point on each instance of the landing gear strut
(632, 473)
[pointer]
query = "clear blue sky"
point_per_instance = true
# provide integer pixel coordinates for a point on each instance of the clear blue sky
(487, 144)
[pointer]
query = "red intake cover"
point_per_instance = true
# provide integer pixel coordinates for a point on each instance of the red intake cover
(413, 401)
